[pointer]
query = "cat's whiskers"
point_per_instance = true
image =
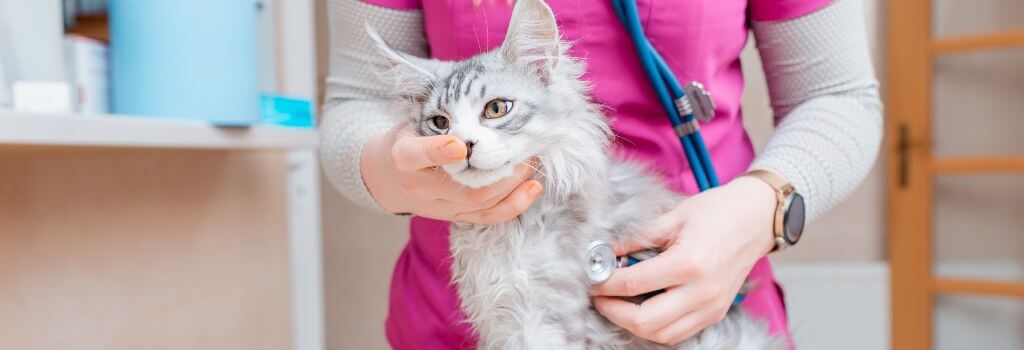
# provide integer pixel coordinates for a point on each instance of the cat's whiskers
(536, 167)
(624, 139)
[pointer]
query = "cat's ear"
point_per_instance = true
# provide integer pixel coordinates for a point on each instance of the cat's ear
(532, 38)
(408, 75)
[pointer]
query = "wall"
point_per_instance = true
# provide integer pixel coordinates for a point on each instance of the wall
(360, 249)
(143, 249)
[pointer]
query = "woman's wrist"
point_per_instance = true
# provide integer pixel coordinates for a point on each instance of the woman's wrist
(376, 170)
(762, 206)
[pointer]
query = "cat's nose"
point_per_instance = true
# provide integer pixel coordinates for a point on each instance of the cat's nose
(469, 148)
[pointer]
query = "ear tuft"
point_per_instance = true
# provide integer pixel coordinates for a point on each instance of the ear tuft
(532, 38)
(408, 75)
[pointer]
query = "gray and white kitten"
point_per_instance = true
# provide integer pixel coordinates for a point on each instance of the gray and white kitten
(522, 283)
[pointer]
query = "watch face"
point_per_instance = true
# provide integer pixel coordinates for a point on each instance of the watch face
(794, 219)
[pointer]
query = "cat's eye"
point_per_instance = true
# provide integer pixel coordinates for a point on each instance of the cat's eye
(439, 122)
(497, 108)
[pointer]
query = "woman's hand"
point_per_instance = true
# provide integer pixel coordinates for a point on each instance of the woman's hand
(710, 243)
(401, 171)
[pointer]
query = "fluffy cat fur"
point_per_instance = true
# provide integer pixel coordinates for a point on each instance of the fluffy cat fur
(522, 283)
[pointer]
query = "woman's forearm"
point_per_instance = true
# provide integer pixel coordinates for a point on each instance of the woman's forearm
(344, 131)
(825, 97)
(356, 100)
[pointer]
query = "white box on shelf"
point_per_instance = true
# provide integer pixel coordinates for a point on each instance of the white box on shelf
(31, 35)
(87, 66)
(42, 96)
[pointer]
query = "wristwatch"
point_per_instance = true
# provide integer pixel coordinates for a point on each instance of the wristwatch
(788, 225)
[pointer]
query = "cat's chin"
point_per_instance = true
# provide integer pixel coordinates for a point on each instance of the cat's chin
(477, 178)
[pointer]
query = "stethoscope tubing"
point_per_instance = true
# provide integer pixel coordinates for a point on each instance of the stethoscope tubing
(668, 90)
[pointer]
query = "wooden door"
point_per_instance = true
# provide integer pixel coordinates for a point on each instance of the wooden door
(913, 166)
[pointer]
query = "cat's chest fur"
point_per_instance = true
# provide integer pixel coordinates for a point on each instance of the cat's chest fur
(527, 273)
(530, 272)
(543, 248)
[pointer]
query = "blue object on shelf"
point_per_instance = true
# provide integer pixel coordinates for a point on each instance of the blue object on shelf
(286, 111)
(191, 59)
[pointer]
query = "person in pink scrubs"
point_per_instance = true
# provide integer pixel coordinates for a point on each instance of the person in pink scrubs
(724, 233)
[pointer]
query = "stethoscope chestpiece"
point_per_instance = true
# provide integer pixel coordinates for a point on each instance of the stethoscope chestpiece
(601, 261)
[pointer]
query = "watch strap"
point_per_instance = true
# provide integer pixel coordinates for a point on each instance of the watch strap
(783, 189)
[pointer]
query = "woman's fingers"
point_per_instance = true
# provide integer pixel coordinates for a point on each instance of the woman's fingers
(490, 195)
(650, 316)
(684, 328)
(436, 183)
(660, 272)
(647, 241)
(411, 153)
(669, 224)
(618, 311)
(660, 234)
(417, 159)
(667, 318)
(417, 181)
(514, 204)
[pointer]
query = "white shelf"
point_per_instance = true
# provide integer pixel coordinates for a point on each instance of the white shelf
(68, 129)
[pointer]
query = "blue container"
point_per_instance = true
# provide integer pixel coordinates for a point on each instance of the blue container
(191, 59)
(287, 111)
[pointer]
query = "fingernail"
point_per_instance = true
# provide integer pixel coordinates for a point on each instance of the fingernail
(453, 150)
(535, 189)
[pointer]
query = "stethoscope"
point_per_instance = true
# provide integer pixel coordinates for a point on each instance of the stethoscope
(684, 106)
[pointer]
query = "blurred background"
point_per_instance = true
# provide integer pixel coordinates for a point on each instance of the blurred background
(159, 186)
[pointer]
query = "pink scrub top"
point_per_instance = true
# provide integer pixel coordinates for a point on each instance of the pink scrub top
(701, 41)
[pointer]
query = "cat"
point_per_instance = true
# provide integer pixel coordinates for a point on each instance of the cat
(522, 283)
